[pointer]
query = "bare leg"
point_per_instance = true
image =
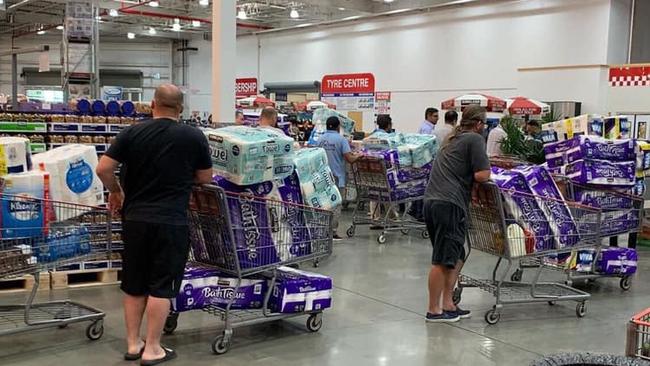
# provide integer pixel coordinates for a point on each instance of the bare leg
(133, 310)
(450, 284)
(157, 312)
(437, 277)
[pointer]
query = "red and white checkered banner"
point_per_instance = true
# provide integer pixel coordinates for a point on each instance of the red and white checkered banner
(629, 76)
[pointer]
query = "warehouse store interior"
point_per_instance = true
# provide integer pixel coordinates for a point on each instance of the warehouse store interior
(390, 182)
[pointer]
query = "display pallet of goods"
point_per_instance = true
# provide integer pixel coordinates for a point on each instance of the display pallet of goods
(23, 283)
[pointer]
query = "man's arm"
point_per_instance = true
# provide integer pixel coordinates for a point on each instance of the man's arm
(350, 157)
(106, 172)
(203, 176)
(482, 176)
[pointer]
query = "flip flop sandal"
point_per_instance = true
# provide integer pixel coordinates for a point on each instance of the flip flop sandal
(170, 354)
(134, 356)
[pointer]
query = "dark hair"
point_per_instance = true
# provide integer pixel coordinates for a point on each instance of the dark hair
(472, 116)
(429, 112)
(238, 113)
(333, 123)
(451, 117)
(534, 124)
(384, 121)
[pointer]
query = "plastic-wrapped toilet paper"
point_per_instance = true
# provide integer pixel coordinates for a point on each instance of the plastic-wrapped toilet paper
(15, 155)
(602, 172)
(24, 213)
(298, 291)
(316, 180)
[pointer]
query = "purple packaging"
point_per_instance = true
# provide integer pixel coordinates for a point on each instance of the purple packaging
(600, 198)
(555, 209)
(522, 208)
(397, 174)
(300, 291)
(598, 148)
(619, 222)
(401, 191)
(555, 153)
(602, 172)
(202, 287)
(614, 260)
(294, 218)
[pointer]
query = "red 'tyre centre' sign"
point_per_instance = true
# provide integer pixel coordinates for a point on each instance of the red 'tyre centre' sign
(245, 87)
(348, 84)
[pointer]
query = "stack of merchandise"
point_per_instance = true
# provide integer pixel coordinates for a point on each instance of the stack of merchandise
(319, 120)
(408, 160)
(293, 292)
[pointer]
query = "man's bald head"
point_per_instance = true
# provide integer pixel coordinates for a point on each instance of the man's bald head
(268, 117)
(167, 101)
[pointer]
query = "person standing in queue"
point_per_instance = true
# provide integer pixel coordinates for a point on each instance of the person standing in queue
(430, 121)
(460, 164)
(161, 160)
(239, 118)
(338, 152)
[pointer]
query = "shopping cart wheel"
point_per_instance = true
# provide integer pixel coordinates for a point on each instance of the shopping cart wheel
(315, 322)
(219, 345)
(171, 323)
(95, 330)
(492, 316)
(581, 309)
(405, 231)
(457, 295)
(626, 283)
(425, 234)
(350, 231)
(551, 303)
(381, 239)
(517, 275)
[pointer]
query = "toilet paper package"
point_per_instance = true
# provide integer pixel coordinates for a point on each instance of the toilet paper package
(381, 140)
(72, 176)
(615, 260)
(555, 153)
(601, 172)
(602, 197)
(24, 211)
(15, 155)
(423, 148)
(397, 173)
(320, 116)
(299, 291)
(248, 155)
(642, 155)
(202, 287)
(401, 191)
(522, 207)
(597, 148)
(62, 244)
(317, 183)
(619, 222)
(550, 200)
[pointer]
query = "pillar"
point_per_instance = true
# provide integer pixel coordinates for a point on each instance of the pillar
(224, 33)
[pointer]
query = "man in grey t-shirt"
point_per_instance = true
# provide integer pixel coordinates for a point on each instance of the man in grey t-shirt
(461, 162)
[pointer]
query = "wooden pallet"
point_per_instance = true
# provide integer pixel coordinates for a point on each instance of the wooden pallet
(24, 283)
(84, 278)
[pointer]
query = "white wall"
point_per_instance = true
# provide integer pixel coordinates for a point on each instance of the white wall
(424, 59)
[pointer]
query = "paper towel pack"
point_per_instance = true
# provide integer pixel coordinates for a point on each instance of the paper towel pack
(72, 176)
(62, 243)
(317, 183)
(249, 155)
(601, 172)
(202, 287)
(300, 291)
(24, 211)
(15, 155)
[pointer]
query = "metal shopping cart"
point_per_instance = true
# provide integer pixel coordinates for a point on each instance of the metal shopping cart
(621, 213)
(373, 187)
(300, 234)
(510, 233)
(637, 342)
(64, 233)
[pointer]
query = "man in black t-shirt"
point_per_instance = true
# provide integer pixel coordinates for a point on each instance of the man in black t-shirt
(161, 160)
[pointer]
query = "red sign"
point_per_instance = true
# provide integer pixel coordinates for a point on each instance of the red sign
(382, 96)
(348, 84)
(629, 76)
(245, 87)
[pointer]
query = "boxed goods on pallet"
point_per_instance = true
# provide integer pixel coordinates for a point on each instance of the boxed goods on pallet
(246, 155)
(297, 291)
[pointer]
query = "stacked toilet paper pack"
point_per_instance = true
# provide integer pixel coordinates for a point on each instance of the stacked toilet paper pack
(24, 211)
(72, 176)
(15, 155)
(405, 182)
(248, 155)
(300, 291)
(317, 183)
(319, 119)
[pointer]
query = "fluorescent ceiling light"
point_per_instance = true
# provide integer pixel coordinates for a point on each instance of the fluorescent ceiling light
(388, 1)
(130, 35)
(154, 4)
(196, 23)
(152, 31)
(40, 32)
(294, 14)
(59, 27)
(204, 2)
(242, 14)
(341, 9)
(113, 12)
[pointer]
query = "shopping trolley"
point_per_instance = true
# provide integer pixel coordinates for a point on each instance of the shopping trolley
(621, 213)
(511, 233)
(372, 185)
(637, 341)
(56, 234)
(300, 234)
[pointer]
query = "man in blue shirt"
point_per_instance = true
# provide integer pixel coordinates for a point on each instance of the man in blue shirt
(338, 152)
(429, 123)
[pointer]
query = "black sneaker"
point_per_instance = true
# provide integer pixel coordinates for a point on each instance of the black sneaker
(463, 314)
(336, 237)
(445, 317)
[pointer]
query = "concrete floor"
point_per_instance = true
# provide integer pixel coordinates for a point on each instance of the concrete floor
(376, 319)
